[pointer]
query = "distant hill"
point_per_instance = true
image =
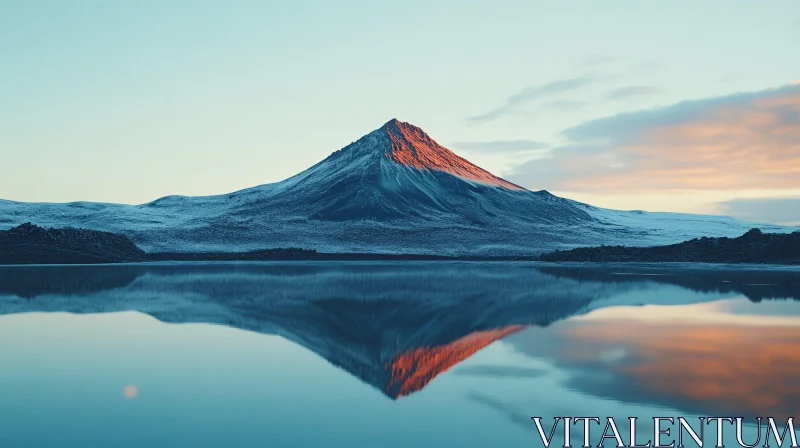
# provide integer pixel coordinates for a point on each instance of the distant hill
(752, 247)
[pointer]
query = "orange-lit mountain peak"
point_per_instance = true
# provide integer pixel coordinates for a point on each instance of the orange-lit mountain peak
(411, 146)
(395, 122)
(413, 370)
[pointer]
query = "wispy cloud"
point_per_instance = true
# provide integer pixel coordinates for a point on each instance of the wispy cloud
(742, 141)
(625, 93)
(648, 66)
(564, 105)
(596, 59)
(502, 146)
(530, 94)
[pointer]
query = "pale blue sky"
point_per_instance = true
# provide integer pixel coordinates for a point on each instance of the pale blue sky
(129, 101)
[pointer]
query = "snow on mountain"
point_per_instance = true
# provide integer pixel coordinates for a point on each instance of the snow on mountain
(662, 228)
(395, 190)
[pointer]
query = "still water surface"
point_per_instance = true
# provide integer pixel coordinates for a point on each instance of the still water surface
(385, 354)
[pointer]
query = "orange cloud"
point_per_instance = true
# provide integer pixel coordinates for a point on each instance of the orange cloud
(745, 141)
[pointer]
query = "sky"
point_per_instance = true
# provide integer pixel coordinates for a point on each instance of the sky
(663, 106)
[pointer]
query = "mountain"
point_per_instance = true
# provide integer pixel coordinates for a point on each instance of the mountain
(395, 190)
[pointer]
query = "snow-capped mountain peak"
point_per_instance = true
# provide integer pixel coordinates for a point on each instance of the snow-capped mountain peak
(410, 146)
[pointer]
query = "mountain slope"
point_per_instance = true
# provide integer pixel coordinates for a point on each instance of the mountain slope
(395, 190)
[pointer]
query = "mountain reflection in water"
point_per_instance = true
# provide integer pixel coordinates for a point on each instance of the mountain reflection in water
(708, 341)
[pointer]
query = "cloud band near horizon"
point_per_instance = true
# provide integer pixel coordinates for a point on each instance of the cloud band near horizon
(745, 141)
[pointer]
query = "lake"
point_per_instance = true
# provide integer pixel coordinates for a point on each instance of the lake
(389, 354)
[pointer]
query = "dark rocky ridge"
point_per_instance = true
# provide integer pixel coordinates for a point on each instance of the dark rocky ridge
(31, 244)
(752, 247)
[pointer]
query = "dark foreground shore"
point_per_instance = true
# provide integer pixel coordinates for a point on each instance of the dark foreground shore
(31, 244)
(752, 247)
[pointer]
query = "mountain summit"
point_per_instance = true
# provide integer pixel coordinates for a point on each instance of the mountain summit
(411, 146)
(397, 172)
(394, 190)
